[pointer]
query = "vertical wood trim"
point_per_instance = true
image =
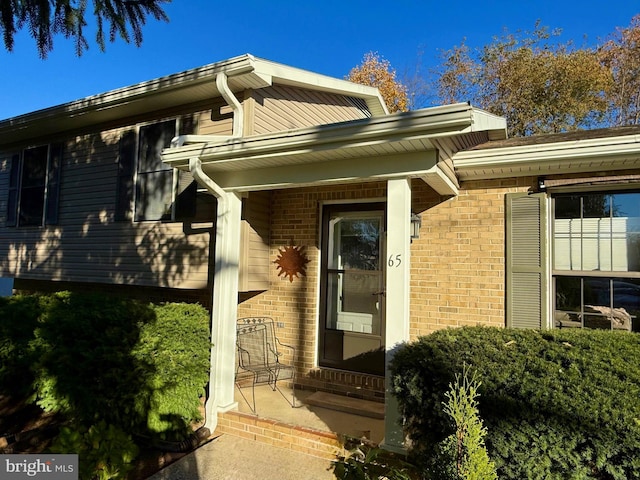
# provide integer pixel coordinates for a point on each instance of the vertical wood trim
(527, 273)
(248, 105)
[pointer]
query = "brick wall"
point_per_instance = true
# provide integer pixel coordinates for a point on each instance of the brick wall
(458, 264)
(457, 274)
(295, 221)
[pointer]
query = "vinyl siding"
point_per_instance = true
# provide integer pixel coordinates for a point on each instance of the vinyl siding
(87, 244)
(254, 256)
(280, 108)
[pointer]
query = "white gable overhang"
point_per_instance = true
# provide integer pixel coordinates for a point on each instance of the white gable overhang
(585, 152)
(185, 88)
(412, 144)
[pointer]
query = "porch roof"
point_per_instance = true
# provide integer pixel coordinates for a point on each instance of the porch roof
(184, 88)
(584, 151)
(416, 144)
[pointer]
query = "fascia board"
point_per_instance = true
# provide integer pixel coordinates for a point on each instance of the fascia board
(286, 75)
(578, 155)
(413, 164)
(109, 99)
(438, 180)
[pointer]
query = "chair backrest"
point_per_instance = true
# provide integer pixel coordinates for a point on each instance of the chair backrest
(256, 342)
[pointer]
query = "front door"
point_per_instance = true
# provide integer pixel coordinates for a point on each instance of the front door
(352, 289)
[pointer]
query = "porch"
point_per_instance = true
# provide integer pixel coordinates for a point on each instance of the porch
(311, 429)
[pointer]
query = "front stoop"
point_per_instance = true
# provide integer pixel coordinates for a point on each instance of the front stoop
(355, 406)
(325, 445)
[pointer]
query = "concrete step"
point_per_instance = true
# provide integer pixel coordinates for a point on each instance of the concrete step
(355, 406)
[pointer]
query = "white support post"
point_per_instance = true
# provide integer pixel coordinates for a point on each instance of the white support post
(397, 296)
(225, 308)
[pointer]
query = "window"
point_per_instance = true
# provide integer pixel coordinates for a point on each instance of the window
(148, 189)
(596, 260)
(34, 182)
(155, 182)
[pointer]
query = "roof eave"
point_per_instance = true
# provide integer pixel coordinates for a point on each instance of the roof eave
(427, 123)
(245, 71)
(590, 155)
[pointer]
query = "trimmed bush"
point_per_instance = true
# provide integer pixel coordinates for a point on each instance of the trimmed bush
(139, 367)
(176, 346)
(560, 404)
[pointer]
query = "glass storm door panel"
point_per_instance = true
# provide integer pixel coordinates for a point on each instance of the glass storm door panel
(352, 322)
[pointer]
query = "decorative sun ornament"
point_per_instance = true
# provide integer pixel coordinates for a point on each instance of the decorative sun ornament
(292, 262)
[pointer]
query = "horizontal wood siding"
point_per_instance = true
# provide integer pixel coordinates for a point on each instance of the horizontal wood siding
(254, 260)
(280, 108)
(87, 244)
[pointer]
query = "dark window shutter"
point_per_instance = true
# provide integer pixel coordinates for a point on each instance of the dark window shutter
(126, 168)
(53, 183)
(188, 124)
(185, 208)
(186, 197)
(527, 275)
(14, 183)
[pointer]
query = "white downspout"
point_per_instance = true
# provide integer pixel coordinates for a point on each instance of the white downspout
(234, 103)
(224, 311)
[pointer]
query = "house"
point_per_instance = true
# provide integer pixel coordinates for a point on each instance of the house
(261, 189)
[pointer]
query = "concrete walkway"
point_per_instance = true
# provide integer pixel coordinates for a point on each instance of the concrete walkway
(233, 458)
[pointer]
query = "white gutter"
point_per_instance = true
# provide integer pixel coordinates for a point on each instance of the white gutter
(609, 153)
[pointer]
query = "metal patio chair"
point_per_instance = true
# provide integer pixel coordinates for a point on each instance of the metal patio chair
(259, 358)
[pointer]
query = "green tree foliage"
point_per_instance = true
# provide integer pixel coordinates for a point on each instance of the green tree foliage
(46, 18)
(376, 71)
(537, 85)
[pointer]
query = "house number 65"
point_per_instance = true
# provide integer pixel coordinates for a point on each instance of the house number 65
(395, 260)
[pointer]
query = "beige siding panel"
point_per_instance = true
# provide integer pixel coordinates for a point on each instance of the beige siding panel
(280, 108)
(208, 126)
(255, 235)
(87, 245)
(141, 254)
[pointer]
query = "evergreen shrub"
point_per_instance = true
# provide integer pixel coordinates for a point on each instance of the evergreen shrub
(141, 368)
(559, 404)
(18, 321)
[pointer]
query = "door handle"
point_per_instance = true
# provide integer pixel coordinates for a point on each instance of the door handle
(381, 292)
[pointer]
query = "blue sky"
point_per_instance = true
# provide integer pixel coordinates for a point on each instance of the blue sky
(328, 37)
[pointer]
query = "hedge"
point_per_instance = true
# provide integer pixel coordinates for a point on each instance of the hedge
(140, 367)
(560, 404)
